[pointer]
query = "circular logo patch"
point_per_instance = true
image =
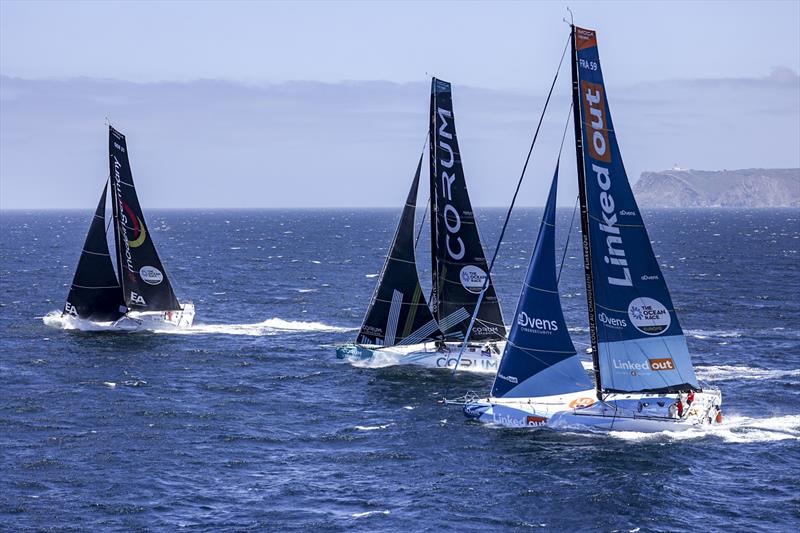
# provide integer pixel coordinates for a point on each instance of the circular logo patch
(649, 316)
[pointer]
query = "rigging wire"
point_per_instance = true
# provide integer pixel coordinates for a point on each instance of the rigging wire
(510, 209)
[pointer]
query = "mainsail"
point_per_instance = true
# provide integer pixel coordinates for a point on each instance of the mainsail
(143, 278)
(96, 293)
(399, 312)
(638, 344)
(459, 265)
(539, 358)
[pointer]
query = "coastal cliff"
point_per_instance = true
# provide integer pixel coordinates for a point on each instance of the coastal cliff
(756, 187)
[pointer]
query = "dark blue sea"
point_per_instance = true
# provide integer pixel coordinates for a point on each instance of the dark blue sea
(248, 422)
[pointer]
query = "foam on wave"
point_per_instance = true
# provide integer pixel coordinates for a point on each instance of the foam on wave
(734, 429)
(734, 372)
(271, 326)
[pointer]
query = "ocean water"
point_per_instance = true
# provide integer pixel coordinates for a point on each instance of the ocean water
(247, 422)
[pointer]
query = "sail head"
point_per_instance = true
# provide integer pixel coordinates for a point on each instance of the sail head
(95, 293)
(399, 312)
(144, 281)
(539, 358)
(639, 341)
(459, 264)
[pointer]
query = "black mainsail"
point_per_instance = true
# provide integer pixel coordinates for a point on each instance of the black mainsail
(96, 293)
(399, 312)
(459, 264)
(142, 276)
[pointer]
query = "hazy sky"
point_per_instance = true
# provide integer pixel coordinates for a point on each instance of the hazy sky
(207, 94)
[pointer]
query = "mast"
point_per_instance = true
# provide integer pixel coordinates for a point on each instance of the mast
(587, 253)
(434, 237)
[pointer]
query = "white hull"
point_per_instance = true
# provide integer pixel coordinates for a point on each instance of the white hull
(477, 358)
(131, 321)
(647, 413)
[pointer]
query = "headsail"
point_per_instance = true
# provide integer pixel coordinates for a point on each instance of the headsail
(96, 293)
(399, 312)
(637, 340)
(539, 359)
(144, 281)
(459, 264)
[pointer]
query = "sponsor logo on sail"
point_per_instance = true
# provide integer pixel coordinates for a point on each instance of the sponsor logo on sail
(151, 275)
(371, 330)
(595, 117)
(665, 363)
(137, 299)
(123, 217)
(649, 316)
(532, 324)
(611, 322)
(510, 379)
(660, 364)
(484, 330)
(446, 161)
(472, 278)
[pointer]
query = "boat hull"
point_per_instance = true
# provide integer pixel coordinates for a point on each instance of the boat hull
(647, 413)
(130, 322)
(477, 358)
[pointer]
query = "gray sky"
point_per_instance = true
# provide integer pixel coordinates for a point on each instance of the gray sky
(286, 104)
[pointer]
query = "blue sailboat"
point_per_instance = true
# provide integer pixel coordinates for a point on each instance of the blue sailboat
(643, 374)
(540, 372)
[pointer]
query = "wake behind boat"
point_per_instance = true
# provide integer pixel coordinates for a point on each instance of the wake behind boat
(138, 295)
(400, 327)
(643, 375)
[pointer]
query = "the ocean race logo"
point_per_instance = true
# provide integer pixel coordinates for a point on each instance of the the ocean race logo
(446, 159)
(649, 316)
(472, 278)
(533, 324)
(151, 275)
(596, 136)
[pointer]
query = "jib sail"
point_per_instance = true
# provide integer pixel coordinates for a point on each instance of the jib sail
(459, 264)
(96, 293)
(144, 281)
(539, 358)
(637, 341)
(399, 312)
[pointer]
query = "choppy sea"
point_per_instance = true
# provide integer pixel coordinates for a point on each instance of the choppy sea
(247, 422)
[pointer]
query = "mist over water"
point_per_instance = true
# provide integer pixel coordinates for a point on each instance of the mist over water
(248, 422)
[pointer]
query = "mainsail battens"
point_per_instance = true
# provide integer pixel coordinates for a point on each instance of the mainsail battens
(95, 293)
(398, 312)
(459, 265)
(145, 283)
(638, 344)
(539, 358)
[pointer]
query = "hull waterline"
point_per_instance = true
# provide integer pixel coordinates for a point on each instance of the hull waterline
(646, 413)
(477, 358)
(130, 322)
